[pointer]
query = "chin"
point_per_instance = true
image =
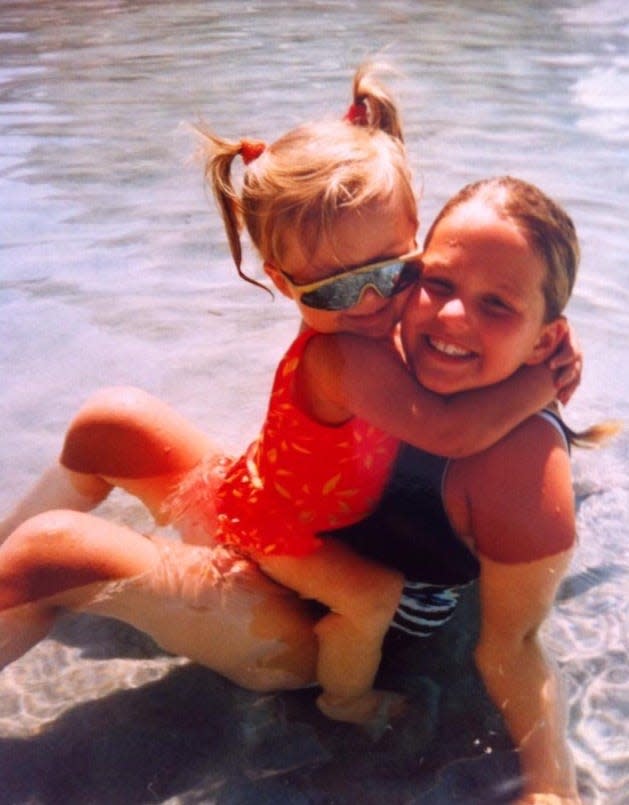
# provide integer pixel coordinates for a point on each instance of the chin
(443, 389)
(443, 385)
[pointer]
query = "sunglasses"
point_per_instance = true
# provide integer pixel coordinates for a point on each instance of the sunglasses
(345, 290)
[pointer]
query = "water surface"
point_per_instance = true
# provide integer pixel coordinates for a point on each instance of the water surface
(113, 269)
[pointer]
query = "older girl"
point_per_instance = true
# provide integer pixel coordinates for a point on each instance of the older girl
(498, 267)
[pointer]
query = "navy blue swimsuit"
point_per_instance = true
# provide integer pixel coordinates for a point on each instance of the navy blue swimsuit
(410, 532)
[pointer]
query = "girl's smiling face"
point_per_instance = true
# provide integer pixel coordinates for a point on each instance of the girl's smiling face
(478, 313)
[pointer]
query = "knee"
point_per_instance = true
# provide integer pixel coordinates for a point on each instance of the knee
(36, 540)
(115, 433)
(383, 598)
(110, 404)
(28, 554)
(370, 605)
(46, 555)
(105, 411)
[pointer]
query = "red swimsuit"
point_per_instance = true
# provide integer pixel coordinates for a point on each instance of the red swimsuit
(301, 477)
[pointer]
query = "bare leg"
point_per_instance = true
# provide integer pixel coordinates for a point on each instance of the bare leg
(63, 550)
(48, 563)
(57, 488)
(121, 437)
(194, 601)
(22, 628)
(362, 597)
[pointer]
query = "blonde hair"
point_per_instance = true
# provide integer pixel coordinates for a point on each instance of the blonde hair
(299, 184)
(551, 233)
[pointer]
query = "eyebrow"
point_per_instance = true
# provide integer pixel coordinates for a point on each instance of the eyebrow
(385, 257)
(511, 291)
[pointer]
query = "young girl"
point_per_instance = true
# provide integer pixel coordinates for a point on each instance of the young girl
(330, 208)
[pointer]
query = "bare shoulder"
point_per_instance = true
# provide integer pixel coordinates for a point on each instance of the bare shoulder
(339, 371)
(514, 501)
(515, 462)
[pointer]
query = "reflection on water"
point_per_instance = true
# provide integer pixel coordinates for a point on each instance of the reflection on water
(113, 269)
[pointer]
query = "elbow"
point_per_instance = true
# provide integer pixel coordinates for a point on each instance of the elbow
(498, 656)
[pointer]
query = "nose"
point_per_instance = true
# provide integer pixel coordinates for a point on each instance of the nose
(453, 310)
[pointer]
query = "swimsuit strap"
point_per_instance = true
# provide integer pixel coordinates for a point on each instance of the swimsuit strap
(556, 421)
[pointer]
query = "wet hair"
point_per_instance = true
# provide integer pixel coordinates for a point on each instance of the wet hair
(546, 226)
(297, 186)
(550, 232)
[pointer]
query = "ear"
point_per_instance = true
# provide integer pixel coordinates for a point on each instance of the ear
(549, 339)
(278, 279)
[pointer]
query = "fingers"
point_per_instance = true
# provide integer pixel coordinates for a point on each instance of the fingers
(567, 375)
(567, 382)
(565, 358)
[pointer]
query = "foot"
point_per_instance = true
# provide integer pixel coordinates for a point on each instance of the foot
(372, 710)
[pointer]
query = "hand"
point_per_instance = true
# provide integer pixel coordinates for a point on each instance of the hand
(566, 364)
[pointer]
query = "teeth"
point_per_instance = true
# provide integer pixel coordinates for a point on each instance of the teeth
(448, 349)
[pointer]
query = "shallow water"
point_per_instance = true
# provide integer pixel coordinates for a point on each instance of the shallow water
(113, 270)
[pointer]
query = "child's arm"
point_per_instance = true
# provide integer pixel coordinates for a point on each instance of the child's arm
(346, 375)
(567, 364)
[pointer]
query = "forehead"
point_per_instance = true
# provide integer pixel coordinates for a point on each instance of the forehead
(384, 228)
(478, 220)
(475, 237)
(474, 230)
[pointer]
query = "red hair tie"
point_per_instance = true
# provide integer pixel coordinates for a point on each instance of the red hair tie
(357, 114)
(251, 149)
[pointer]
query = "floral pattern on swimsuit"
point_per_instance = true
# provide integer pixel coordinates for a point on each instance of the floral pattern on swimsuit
(301, 477)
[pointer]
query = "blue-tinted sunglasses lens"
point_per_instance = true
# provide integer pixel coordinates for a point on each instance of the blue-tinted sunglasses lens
(344, 292)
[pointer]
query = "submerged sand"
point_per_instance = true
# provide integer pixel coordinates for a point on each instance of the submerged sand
(98, 714)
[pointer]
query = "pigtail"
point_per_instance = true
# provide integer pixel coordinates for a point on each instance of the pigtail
(591, 437)
(594, 436)
(218, 155)
(373, 104)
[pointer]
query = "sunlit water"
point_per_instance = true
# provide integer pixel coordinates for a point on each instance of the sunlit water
(113, 267)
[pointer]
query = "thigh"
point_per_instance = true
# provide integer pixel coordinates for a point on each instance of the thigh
(51, 557)
(205, 604)
(339, 578)
(219, 610)
(56, 560)
(134, 441)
